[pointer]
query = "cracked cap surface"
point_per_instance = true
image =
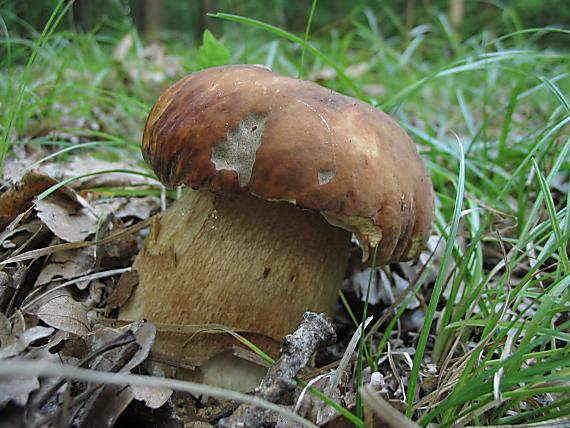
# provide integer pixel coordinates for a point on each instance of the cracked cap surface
(243, 128)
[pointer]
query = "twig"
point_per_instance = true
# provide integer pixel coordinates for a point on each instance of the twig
(314, 332)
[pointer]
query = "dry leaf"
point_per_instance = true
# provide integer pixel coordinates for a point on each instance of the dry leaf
(65, 220)
(85, 164)
(74, 347)
(5, 330)
(122, 290)
(23, 155)
(20, 343)
(358, 283)
(119, 252)
(7, 290)
(374, 90)
(144, 334)
(32, 234)
(133, 341)
(131, 207)
(329, 73)
(67, 265)
(94, 297)
(141, 208)
(21, 195)
(17, 390)
(40, 296)
(66, 314)
(104, 407)
(357, 70)
(152, 397)
(19, 325)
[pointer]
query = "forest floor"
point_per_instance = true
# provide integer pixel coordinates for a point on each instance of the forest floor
(476, 332)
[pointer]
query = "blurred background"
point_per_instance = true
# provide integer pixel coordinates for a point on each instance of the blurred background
(104, 62)
(159, 19)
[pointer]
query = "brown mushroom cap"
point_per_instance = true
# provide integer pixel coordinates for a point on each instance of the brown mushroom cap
(243, 128)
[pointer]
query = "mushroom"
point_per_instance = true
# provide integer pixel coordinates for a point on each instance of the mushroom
(282, 172)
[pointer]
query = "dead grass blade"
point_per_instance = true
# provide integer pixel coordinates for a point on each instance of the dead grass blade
(385, 411)
(78, 244)
(41, 368)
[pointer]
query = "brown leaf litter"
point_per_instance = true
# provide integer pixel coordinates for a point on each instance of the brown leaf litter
(66, 261)
(60, 258)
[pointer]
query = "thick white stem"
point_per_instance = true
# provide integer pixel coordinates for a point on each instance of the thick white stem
(238, 261)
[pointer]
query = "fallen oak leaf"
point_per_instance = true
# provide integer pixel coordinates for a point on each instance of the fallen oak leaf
(83, 279)
(104, 349)
(15, 339)
(20, 196)
(145, 334)
(64, 313)
(30, 336)
(17, 390)
(85, 171)
(29, 234)
(125, 208)
(151, 396)
(142, 333)
(66, 265)
(122, 290)
(65, 220)
(105, 403)
(27, 338)
(103, 407)
(18, 325)
(141, 208)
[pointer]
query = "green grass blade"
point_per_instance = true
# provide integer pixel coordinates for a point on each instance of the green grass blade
(438, 287)
(306, 39)
(296, 39)
(65, 182)
(553, 216)
(56, 16)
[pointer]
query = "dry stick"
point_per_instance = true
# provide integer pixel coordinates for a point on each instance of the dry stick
(314, 332)
(78, 244)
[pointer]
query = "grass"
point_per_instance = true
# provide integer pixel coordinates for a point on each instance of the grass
(497, 316)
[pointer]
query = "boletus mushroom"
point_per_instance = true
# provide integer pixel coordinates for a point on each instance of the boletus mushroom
(281, 172)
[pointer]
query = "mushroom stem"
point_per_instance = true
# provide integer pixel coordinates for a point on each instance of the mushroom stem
(238, 261)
